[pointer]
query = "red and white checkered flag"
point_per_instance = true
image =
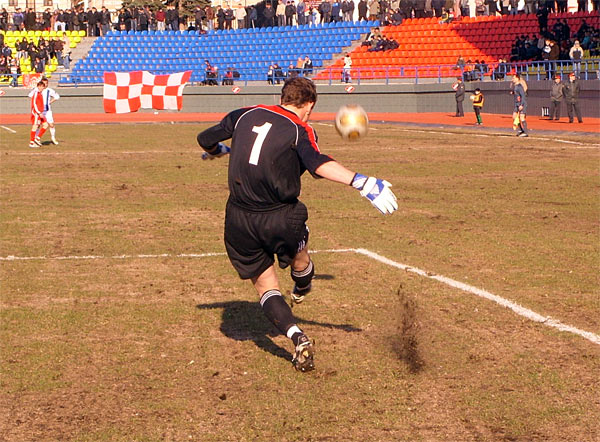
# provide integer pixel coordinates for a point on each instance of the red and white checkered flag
(129, 91)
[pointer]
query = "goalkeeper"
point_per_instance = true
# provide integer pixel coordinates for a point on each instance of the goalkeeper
(271, 147)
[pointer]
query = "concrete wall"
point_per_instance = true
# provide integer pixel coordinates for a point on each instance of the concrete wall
(374, 98)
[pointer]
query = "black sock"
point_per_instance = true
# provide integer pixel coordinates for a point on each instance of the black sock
(277, 310)
(524, 125)
(304, 277)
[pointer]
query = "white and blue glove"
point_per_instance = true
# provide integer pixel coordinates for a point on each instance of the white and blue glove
(377, 191)
(220, 150)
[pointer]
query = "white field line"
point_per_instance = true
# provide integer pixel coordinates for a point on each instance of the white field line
(500, 134)
(93, 257)
(9, 129)
(519, 310)
(516, 308)
(579, 144)
(39, 153)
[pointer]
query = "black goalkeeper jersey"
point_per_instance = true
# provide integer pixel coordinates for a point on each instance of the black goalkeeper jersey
(270, 150)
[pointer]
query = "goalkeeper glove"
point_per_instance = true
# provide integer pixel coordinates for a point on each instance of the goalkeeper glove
(377, 191)
(219, 151)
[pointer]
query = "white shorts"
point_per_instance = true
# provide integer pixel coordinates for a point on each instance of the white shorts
(49, 117)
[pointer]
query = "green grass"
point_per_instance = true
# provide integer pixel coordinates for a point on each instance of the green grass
(170, 348)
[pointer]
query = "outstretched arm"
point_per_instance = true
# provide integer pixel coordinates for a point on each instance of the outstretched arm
(375, 190)
(334, 171)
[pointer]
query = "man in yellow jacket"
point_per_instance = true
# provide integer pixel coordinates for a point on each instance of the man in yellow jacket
(478, 100)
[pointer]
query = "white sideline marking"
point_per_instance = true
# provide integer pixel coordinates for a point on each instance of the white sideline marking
(519, 310)
(92, 257)
(9, 129)
(125, 152)
(516, 308)
(485, 135)
(497, 134)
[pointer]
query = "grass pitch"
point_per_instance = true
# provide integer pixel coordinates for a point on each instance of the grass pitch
(99, 341)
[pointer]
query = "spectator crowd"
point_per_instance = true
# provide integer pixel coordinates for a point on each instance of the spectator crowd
(35, 52)
(97, 22)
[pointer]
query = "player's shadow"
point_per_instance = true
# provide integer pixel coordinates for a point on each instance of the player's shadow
(245, 321)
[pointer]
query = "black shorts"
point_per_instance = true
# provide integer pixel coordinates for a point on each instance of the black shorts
(252, 239)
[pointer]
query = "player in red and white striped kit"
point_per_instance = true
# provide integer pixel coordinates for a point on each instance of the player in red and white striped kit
(38, 120)
(50, 96)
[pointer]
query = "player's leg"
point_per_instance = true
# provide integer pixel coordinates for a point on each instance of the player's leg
(50, 121)
(35, 123)
(32, 136)
(525, 132)
(516, 121)
(248, 241)
(302, 273)
(280, 314)
(53, 133)
(41, 131)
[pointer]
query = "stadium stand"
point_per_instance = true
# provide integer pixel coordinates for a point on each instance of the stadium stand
(431, 49)
(249, 51)
(12, 38)
(427, 48)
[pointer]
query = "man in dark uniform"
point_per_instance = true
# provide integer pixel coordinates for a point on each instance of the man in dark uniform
(459, 96)
(571, 89)
(272, 146)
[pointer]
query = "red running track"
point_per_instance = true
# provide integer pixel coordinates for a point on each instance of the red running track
(589, 125)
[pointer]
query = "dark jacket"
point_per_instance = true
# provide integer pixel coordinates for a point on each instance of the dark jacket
(557, 92)
(571, 91)
(460, 91)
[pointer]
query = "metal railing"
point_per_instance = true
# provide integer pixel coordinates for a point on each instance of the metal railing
(587, 69)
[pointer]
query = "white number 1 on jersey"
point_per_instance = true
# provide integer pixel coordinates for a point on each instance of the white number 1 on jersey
(262, 132)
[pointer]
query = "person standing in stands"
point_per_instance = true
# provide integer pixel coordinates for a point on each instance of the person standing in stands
(325, 11)
(459, 96)
(175, 24)
(240, 15)
(269, 15)
(105, 21)
(363, 8)
(30, 17)
(300, 13)
(220, 15)
(210, 17)
(229, 16)
(252, 16)
(143, 20)
(290, 13)
(280, 13)
(576, 54)
(160, 19)
(571, 89)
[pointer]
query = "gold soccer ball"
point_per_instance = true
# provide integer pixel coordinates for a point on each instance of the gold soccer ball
(351, 122)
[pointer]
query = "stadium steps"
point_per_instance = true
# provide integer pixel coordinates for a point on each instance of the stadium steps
(355, 44)
(82, 49)
(77, 54)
